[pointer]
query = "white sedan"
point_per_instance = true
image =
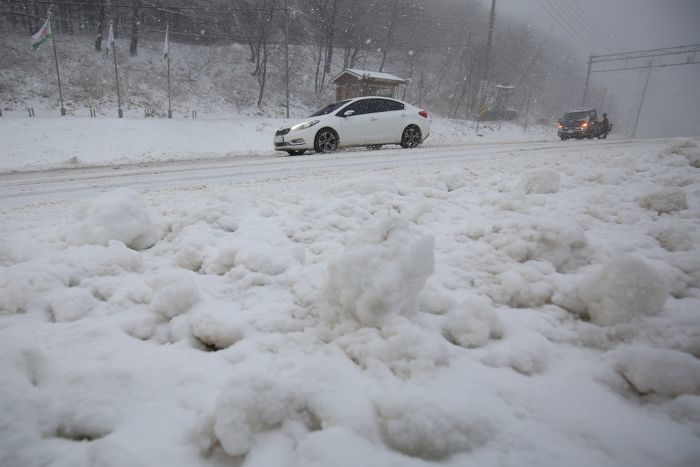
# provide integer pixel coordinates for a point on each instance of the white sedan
(363, 121)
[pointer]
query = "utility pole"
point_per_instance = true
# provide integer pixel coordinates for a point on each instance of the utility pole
(487, 61)
(588, 77)
(286, 53)
(641, 102)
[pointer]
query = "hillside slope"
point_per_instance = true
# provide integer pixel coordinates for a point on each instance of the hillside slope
(211, 79)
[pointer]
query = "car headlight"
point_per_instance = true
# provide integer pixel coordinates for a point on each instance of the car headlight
(305, 125)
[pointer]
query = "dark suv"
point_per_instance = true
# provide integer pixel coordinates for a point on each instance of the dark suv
(579, 124)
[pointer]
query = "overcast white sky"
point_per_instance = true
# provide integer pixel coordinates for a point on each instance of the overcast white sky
(672, 105)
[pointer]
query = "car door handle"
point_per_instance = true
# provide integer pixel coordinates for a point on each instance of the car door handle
(373, 119)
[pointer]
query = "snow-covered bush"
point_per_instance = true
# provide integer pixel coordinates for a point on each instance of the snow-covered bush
(664, 372)
(540, 181)
(665, 201)
(381, 272)
(625, 287)
(120, 215)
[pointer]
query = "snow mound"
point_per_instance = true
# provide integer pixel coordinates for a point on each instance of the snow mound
(253, 403)
(664, 372)
(673, 234)
(429, 430)
(70, 304)
(175, 294)
(556, 241)
(625, 287)
(402, 347)
(381, 272)
(665, 201)
(540, 181)
(684, 147)
(680, 146)
(120, 215)
(473, 324)
(216, 328)
(528, 355)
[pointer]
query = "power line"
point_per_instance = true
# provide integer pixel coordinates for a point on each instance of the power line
(593, 25)
(585, 28)
(561, 18)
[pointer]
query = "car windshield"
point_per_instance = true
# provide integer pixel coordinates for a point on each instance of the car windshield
(571, 116)
(329, 108)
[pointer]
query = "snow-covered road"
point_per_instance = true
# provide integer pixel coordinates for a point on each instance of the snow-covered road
(73, 183)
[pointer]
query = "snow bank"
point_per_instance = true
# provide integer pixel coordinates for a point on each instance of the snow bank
(381, 272)
(625, 287)
(667, 373)
(120, 215)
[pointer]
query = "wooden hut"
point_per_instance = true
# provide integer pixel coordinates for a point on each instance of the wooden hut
(356, 83)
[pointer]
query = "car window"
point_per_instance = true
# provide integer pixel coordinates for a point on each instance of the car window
(378, 105)
(329, 108)
(394, 105)
(360, 107)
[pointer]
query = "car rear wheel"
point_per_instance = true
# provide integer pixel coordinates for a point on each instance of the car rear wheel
(326, 141)
(411, 137)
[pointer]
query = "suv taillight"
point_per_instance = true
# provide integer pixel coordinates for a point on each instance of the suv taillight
(423, 114)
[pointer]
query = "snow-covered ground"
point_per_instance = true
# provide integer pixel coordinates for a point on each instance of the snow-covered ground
(497, 305)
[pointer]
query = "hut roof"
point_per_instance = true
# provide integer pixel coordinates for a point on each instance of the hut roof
(364, 74)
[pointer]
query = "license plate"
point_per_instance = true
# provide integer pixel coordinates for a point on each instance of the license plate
(279, 139)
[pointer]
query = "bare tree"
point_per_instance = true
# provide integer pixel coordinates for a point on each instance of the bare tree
(133, 46)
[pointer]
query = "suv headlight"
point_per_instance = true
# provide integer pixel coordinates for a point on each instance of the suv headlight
(305, 125)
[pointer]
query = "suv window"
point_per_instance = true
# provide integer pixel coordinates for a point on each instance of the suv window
(575, 116)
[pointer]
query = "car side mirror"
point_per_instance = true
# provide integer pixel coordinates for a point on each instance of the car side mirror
(348, 113)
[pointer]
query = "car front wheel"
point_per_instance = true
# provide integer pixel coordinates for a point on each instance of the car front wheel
(326, 141)
(411, 137)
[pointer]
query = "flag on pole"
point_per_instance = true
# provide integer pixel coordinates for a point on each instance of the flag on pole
(43, 34)
(110, 38)
(166, 46)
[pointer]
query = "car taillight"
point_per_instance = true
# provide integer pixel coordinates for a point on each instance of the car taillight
(423, 114)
